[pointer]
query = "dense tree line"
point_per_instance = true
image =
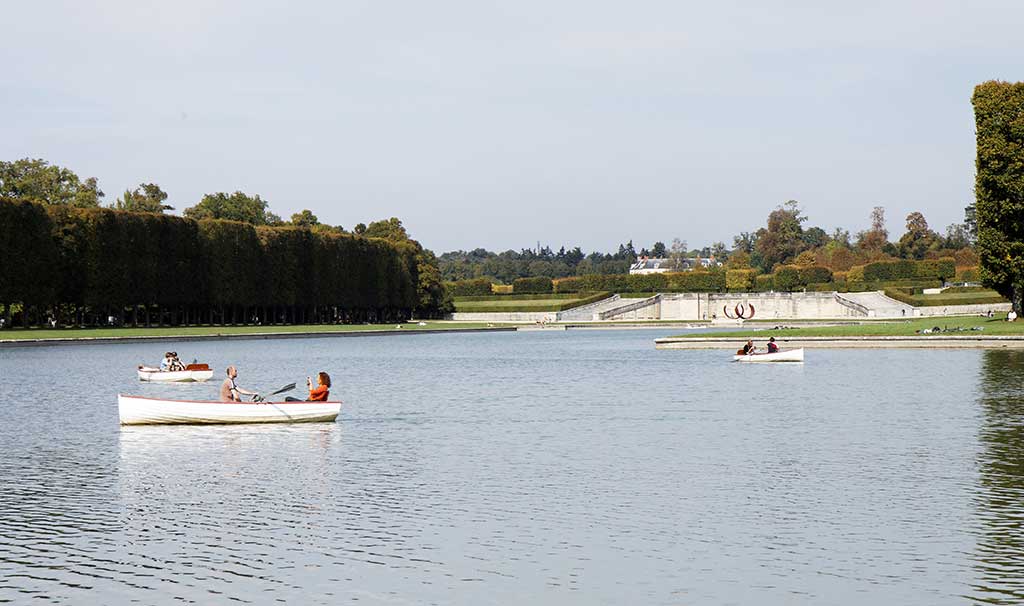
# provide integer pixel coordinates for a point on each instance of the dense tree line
(73, 265)
(510, 265)
(784, 240)
(59, 189)
(999, 187)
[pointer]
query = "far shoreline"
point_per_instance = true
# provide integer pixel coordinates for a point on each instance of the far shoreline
(239, 334)
(852, 342)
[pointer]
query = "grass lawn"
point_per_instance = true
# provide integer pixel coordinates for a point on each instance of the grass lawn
(520, 305)
(525, 303)
(908, 328)
(170, 332)
(979, 297)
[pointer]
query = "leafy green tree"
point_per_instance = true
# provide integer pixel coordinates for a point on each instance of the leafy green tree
(27, 255)
(389, 229)
(783, 238)
(840, 237)
(233, 207)
(815, 237)
(306, 218)
(873, 240)
(658, 251)
(37, 180)
(739, 259)
(719, 252)
(677, 254)
(971, 223)
(918, 239)
(999, 187)
(431, 298)
(146, 198)
(746, 241)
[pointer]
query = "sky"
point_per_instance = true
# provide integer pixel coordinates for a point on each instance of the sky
(503, 124)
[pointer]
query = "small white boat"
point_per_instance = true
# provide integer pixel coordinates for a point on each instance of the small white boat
(192, 372)
(789, 355)
(136, 410)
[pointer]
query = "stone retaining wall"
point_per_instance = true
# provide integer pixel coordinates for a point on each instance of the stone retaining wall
(505, 316)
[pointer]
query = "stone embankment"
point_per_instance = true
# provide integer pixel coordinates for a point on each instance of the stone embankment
(690, 307)
(892, 342)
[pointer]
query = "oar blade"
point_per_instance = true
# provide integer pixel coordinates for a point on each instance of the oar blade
(287, 387)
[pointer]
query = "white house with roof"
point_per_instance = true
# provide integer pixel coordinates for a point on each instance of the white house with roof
(650, 265)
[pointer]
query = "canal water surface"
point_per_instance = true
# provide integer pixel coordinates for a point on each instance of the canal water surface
(577, 467)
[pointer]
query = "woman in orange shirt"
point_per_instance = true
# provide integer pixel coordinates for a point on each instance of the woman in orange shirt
(323, 388)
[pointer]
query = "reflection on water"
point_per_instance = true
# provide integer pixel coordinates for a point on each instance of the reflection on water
(583, 467)
(1000, 510)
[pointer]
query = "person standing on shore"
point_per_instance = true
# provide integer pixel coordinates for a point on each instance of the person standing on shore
(229, 391)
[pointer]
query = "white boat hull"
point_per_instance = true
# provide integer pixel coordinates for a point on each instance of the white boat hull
(134, 410)
(789, 355)
(177, 376)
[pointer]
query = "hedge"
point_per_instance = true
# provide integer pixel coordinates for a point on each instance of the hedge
(529, 305)
(968, 274)
(99, 262)
(468, 288)
(647, 283)
(815, 273)
(657, 282)
(741, 280)
(967, 289)
(568, 285)
(531, 285)
(696, 281)
(940, 301)
(943, 269)
(514, 297)
(787, 279)
(879, 271)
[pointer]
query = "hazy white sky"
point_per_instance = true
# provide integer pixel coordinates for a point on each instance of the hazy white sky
(498, 124)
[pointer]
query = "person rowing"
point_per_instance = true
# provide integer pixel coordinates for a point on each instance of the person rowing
(748, 348)
(230, 392)
(772, 346)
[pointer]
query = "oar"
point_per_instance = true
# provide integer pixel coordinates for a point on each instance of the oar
(287, 387)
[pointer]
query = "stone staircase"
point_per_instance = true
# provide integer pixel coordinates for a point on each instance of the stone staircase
(585, 313)
(877, 304)
(634, 309)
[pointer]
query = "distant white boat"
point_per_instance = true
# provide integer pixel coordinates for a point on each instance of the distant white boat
(789, 355)
(192, 372)
(135, 410)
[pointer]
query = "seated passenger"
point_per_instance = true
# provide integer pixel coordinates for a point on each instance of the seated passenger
(318, 393)
(748, 347)
(165, 364)
(772, 347)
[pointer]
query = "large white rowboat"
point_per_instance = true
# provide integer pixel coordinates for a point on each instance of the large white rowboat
(135, 410)
(202, 372)
(789, 355)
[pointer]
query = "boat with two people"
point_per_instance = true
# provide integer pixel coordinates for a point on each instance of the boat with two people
(140, 410)
(172, 370)
(772, 353)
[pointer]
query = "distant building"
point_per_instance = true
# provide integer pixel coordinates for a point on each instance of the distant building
(648, 265)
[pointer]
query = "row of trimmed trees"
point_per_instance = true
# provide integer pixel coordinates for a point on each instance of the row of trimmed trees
(84, 266)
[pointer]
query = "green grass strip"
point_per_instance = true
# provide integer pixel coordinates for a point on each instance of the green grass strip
(189, 331)
(908, 328)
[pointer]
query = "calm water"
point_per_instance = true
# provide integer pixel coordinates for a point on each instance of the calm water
(580, 467)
